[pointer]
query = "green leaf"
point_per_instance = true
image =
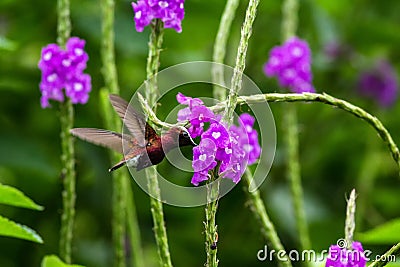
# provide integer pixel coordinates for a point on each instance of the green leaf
(386, 233)
(12, 229)
(13, 197)
(54, 261)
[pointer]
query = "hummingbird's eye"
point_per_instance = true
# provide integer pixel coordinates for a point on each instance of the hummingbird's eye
(148, 144)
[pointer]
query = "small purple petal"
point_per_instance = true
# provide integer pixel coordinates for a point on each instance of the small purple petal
(199, 177)
(204, 155)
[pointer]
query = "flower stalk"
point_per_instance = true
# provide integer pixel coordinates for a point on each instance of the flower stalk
(240, 64)
(124, 211)
(289, 26)
(350, 223)
(151, 93)
(210, 223)
(213, 188)
(220, 48)
(259, 211)
(395, 250)
(69, 180)
(328, 100)
(67, 145)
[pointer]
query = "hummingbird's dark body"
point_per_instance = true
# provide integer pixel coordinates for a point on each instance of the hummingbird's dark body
(142, 146)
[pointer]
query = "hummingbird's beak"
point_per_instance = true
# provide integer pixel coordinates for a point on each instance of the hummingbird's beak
(192, 142)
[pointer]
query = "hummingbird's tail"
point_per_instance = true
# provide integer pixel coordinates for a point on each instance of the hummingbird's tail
(117, 166)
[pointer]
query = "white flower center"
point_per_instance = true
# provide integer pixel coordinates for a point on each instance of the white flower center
(216, 135)
(248, 148)
(297, 52)
(138, 14)
(238, 166)
(228, 150)
(47, 56)
(275, 61)
(181, 6)
(78, 87)
(248, 128)
(163, 4)
(78, 51)
(52, 77)
(203, 157)
(289, 73)
(201, 116)
(66, 62)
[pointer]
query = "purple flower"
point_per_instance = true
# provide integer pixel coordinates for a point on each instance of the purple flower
(379, 83)
(291, 64)
(203, 160)
(63, 69)
(249, 141)
(171, 12)
(78, 88)
(342, 257)
(336, 50)
(233, 148)
(196, 113)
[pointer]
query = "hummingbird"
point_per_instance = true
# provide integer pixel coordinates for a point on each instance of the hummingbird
(143, 146)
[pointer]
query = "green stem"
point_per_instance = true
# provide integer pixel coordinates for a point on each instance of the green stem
(122, 192)
(395, 250)
(294, 173)
(63, 22)
(213, 190)
(220, 48)
(289, 18)
(328, 100)
(153, 61)
(350, 223)
(210, 225)
(156, 208)
(67, 145)
(133, 228)
(69, 181)
(289, 27)
(259, 211)
(236, 83)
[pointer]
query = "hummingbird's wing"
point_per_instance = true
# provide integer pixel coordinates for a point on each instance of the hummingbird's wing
(133, 120)
(100, 137)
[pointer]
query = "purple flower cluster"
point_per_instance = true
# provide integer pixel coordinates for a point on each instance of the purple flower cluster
(171, 12)
(379, 83)
(231, 148)
(291, 64)
(342, 257)
(63, 69)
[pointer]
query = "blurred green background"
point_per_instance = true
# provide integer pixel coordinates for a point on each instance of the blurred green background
(338, 152)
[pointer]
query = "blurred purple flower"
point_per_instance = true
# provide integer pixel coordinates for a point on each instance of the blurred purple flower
(336, 50)
(233, 148)
(171, 12)
(379, 83)
(291, 64)
(342, 257)
(64, 70)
